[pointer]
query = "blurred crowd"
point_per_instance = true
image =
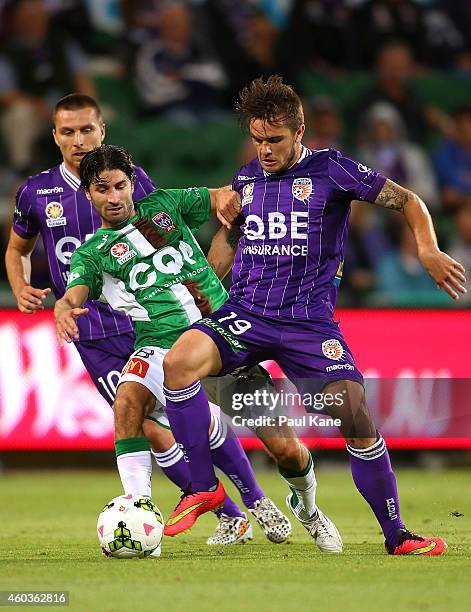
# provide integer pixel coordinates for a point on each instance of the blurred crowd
(185, 61)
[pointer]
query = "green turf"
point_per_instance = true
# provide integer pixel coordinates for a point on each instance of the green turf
(49, 543)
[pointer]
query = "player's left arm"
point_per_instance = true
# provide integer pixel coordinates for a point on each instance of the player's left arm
(447, 273)
(223, 249)
(226, 204)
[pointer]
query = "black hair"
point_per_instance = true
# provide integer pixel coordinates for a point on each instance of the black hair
(105, 157)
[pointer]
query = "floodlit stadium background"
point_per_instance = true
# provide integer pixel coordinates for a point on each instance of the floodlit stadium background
(397, 323)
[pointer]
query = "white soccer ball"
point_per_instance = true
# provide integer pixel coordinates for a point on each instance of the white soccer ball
(130, 526)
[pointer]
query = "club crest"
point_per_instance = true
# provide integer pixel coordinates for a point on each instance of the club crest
(332, 349)
(302, 189)
(164, 221)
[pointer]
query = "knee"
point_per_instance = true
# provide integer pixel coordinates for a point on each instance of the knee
(289, 453)
(179, 368)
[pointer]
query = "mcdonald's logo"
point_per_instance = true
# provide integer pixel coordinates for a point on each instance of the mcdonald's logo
(136, 366)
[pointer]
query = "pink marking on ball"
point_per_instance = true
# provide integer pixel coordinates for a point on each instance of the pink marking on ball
(100, 530)
(148, 528)
(129, 496)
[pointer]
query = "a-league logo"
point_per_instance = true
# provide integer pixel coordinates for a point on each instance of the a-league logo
(302, 189)
(164, 221)
(247, 193)
(332, 349)
(120, 249)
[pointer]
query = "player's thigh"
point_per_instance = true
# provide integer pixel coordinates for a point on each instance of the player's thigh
(194, 352)
(104, 360)
(239, 337)
(313, 354)
(145, 366)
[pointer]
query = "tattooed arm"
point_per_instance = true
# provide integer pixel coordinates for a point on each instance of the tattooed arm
(447, 273)
(223, 249)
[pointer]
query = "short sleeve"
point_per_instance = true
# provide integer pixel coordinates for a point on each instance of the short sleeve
(352, 180)
(84, 270)
(24, 222)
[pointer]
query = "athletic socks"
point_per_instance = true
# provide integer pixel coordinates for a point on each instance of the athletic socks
(134, 465)
(173, 464)
(189, 416)
(303, 485)
(374, 478)
(229, 456)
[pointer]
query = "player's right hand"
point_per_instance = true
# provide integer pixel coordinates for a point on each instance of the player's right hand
(66, 326)
(31, 299)
(228, 206)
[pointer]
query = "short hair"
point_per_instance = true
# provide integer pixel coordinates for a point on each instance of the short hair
(462, 111)
(270, 100)
(76, 101)
(105, 157)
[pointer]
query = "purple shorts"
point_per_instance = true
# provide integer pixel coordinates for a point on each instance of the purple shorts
(104, 359)
(312, 350)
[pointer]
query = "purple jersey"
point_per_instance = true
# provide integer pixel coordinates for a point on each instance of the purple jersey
(290, 257)
(53, 205)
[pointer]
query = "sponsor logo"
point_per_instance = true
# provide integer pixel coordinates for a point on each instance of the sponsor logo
(136, 366)
(302, 189)
(332, 349)
(174, 519)
(242, 177)
(339, 366)
(277, 226)
(363, 168)
(235, 344)
(49, 191)
(247, 193)
(119, 249)
(391, 505)
(104, 240)
(17, 213)
(290, 250)
(126, 257)
(164, 221)
(338, 274)
(73, 276)
(54, 212)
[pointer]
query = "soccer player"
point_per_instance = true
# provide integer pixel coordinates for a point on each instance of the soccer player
(53, 205)
(294, 218)
(145, 262)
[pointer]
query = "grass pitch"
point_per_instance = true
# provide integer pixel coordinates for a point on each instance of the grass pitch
(48, 542)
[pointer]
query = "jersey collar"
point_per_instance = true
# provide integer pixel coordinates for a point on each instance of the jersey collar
(69, 178)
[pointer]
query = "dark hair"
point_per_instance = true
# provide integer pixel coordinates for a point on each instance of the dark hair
(105, 157)
(76, 101)
(272, 101)
(464, 110)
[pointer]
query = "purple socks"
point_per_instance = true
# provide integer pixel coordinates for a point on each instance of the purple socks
(229, 456)
(374, 478)
(189, 416)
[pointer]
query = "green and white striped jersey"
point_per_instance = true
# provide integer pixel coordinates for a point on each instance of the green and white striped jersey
(152, 268)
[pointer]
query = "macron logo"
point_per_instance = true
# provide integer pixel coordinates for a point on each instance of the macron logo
(49, 191)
